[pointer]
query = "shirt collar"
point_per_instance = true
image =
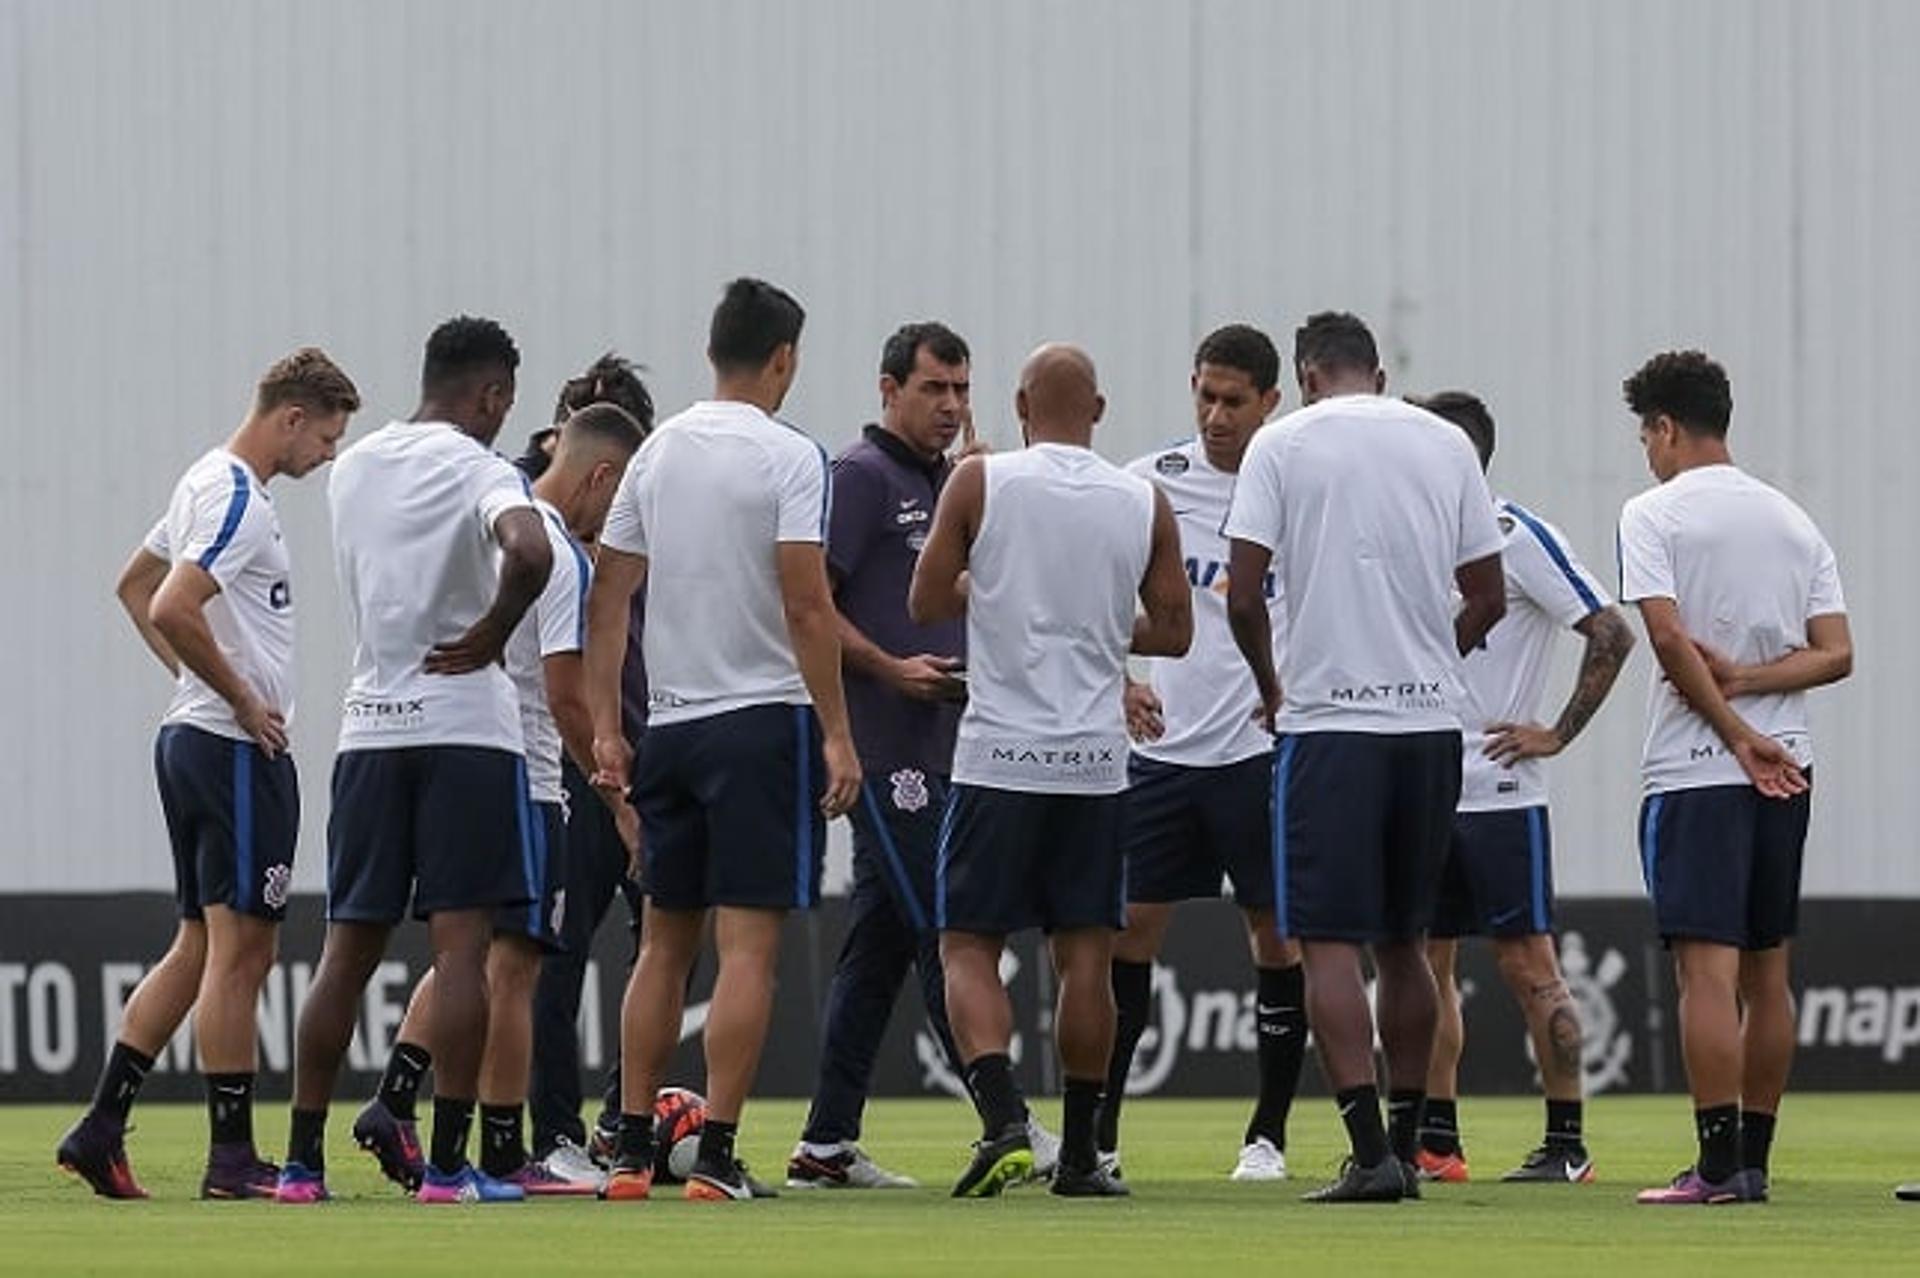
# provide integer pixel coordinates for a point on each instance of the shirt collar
(895, 447)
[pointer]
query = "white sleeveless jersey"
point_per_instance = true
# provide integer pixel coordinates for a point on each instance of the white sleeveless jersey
(1054, 574)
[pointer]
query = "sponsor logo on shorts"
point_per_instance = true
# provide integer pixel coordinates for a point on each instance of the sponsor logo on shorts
(278, 880)
(909, 790)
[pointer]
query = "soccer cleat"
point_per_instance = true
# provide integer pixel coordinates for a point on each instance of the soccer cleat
(1384, 1182)
(1758, 1185)
(1046, 1149)
(1554, 1164)
(1908, 1193)
(848, 1167)
(603, 1146)
(571, 1163)
(628, 1185)
(1261, 1159)
(468, 1185)
(537, 1181)
(731, 1183)
(95, 1150)
(1448, 1169)
(1108, 1161)
(1691, 1189)
(1094, 1182)
(236, 1171)
(299, 1186)
(395, 1142)
(999, 1161)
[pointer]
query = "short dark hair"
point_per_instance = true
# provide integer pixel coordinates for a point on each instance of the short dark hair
(610, 379)
(1688, 386)
(752, 321)
(1244, 347)
(466, 346)
(1465, 410)
(941, 342)
(1335, 339)
(310, 379)
(608, 423)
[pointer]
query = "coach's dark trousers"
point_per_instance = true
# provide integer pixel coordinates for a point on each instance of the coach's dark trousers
(596, 873)
(890, 930)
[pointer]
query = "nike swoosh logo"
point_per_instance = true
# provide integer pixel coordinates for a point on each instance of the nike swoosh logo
(1346, 1109)
(1265, 1010)
(1505, 916)
(1577, 1172)
(1182, 514)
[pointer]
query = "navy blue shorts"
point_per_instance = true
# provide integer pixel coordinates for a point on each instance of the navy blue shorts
(435, 827)
(1722, 864)
(1361, 826)
(730, 810)
(1187, 828)
(544, 866)
(1010, 860)
(233, 816)
(1498, 879)
(896, 831)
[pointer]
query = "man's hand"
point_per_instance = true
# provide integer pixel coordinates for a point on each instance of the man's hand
(612, 766)
(971, 445)
(1269, 708)
(843, 776)
(1770, 767)
(1508, 743)
(482, 646)
(1146, 716)
(1725, 671)
(929, 678)
(267, 727)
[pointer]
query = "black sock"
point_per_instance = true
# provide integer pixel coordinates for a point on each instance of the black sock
(633, 1147)
(1360, 1111)
(1132, 996)
(1440, 1127)
(503, 1144)
(120, 1080)
(1403, 1121)
(1719, 1130)
(307, 1140)
(230, 1108)
(1756, 1138)
(1076, 1136)
(406, 1066)
(451, 1120)
(1280, 1015)
(716, 1145)
(1564, 1123)
(990, 1079)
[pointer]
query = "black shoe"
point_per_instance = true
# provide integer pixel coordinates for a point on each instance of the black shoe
(1554, 1164)
(999, 1161)
(1409, 1179)
(1908, 1193)
(708, 1183)
(1384, 1182)
(1093, 1182)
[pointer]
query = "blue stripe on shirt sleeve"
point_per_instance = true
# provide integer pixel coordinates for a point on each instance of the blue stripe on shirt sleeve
(1558, 554)
(236, 508)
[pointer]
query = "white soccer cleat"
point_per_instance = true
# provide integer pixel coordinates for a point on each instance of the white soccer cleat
(1261, 1160)
(843, 1166)
(574, 1165)
(1046, 1149)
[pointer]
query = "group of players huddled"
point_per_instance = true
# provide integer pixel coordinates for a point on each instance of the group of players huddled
(656, 661)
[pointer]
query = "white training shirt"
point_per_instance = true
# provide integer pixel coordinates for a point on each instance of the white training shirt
(556, 623)
(1548, 590)
(1054, 573)
(1207, 697)
(221, 519)
(1748, 569)
(414, 507)
(708, 499)
(1369, 504)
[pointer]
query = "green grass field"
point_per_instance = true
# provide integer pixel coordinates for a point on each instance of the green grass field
(1839, 1157)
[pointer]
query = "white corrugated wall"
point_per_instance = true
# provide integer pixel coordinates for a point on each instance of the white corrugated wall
(1524, 198)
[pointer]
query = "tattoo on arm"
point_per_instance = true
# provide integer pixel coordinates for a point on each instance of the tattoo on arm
(1609, 640)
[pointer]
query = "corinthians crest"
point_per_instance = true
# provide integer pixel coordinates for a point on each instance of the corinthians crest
(909, 789)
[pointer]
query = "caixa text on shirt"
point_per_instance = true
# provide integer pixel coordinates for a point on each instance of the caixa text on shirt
(387, 716)
(1413, 694)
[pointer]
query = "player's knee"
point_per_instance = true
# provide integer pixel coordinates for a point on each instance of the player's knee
(1528, 966)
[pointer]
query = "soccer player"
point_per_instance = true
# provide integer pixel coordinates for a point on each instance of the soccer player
(1368, 511)
(1200, 793)
(439, 552)
(210, 592)
(1044, 552)
(1741, 599)
(543, 658)
(722, 514)
(1498, 879)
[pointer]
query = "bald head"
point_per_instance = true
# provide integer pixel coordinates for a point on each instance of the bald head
(1059, 397)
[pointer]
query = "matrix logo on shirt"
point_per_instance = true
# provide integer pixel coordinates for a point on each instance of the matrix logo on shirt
(1096, 757)
(1418, 694)
(388, 716)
